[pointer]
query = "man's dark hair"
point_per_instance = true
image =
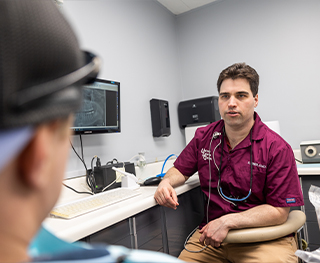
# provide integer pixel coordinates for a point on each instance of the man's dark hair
(240, 71)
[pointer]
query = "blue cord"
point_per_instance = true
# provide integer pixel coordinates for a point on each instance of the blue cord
(236, 199)
(162, 174)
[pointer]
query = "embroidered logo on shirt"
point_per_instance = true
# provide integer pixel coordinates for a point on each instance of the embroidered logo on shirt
(258, 165)
(206, 155)
(291, 200)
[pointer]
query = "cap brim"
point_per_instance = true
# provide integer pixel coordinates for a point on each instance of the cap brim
(12, 143)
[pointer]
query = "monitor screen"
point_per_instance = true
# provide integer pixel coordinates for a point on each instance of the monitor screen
(100, 111)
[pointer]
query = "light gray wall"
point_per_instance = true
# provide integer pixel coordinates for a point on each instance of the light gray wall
(280, 39)
(137, 42)
(157, 55)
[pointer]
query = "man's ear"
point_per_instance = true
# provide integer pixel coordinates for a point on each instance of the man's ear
(256, 100)
(32, 160)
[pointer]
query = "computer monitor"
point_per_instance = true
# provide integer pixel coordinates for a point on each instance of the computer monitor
(100, 111)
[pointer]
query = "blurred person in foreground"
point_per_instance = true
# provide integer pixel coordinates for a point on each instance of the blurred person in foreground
(42, 70)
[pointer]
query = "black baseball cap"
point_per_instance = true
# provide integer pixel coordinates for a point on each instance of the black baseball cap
(42, 67)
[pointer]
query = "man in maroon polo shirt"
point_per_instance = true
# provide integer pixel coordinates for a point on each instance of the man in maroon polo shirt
(247, 172)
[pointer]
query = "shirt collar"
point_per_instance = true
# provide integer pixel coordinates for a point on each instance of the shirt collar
(258, 133)
(258, 129)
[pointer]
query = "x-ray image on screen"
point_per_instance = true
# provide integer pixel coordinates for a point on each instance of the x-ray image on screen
(100, 110)
(93, 111)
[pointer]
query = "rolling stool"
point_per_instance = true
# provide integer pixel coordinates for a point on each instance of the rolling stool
(294, 224)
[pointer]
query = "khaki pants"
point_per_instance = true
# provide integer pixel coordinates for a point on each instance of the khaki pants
(276, 251)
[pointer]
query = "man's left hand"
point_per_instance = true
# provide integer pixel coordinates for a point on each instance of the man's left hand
(214, 233)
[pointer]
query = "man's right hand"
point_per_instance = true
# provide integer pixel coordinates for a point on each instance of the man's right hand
(166, 195)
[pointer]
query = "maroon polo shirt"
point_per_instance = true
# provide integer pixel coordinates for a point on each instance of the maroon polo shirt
(275, 178)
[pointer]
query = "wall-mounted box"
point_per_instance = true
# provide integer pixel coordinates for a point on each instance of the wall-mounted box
(198, 111)
(160, 118)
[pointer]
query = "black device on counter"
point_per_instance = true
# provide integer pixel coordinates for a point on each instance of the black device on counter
(104, 175)
(152, 181)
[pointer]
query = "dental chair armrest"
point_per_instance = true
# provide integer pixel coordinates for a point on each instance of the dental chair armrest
(295, 221)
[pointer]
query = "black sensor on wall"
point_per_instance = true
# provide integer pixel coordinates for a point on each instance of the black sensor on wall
(160, 118)
(100, 110)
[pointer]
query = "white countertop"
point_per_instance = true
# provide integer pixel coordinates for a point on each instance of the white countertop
(85, 225)
(306, 168)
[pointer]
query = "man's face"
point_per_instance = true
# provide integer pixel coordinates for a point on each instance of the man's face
(236, 103)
